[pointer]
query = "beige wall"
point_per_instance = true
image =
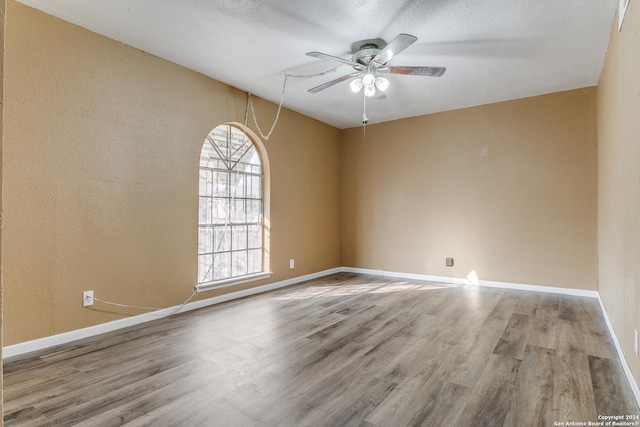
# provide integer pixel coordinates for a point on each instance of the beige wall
(2, 21)
(507, 190)
(619, 183)
(101, 177)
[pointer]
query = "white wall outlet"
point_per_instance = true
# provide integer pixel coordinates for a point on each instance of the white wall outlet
(87, 298)
(635, 341)
(449, 262)
(292, 264)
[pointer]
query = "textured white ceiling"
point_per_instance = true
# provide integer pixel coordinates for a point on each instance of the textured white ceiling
(494, 50)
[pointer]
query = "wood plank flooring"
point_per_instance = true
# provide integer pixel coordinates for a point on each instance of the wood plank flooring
(344, 350)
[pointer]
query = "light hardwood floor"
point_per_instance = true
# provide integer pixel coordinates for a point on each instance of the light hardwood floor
(344, 350)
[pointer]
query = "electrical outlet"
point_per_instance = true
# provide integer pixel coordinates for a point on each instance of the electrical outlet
(292, 264)
(449, 262)
(635, 342)
(87, 298)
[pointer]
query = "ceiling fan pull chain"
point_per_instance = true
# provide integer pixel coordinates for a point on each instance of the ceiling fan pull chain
(365, 119)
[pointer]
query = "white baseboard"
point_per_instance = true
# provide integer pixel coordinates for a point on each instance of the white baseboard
(464, 281)
(46, 342)
(540, 288)
(67, 337)
(410, 276)
(623, 360)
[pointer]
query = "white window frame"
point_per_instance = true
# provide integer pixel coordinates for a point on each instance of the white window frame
(229, 144)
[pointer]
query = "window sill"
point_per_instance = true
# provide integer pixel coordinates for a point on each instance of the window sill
(231, 282)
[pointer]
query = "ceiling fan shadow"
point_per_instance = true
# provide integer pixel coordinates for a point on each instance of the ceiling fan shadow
(409, 9)
(478, 48)
(285, 19)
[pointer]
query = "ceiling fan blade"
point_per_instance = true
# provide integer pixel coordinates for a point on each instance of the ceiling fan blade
(332, 82)
(395, 46)
(321, 55)
(416, 71)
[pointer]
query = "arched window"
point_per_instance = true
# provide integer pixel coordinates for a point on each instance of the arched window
(232, 235)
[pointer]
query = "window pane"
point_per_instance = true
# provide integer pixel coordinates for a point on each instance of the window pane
(205, 270)
(254, 187)
(239, 263)
(254, 159)
(237, 186)
(250, 156)
(239, 237)
(220, 211)
(215, 164)
(205, 210)
(238, 214)
(222, 266)
(208, 155)
(205, 240)
(245, 168)
(254, 210)
(254, 261)
(205, 182)
(255, 236)
(222, 238)
(220, 184)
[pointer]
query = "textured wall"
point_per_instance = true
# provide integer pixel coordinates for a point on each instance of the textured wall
(507, 189)
(101, 178)
(2, 22)
(619, 182)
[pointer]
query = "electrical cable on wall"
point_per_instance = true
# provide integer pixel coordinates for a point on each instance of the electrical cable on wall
(284, 86)
(174, 311)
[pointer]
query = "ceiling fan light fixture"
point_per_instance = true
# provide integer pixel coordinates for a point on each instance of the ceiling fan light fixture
(382, 84)
(368, 80)
(369, 91)
(356, 85)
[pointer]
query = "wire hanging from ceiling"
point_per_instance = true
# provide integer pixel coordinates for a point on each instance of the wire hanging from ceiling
(284, 86)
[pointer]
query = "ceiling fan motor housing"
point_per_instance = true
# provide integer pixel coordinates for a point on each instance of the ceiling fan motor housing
(366, 53)
(367, 70)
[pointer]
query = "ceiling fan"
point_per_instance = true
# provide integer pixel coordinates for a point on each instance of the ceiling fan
(370, 60)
